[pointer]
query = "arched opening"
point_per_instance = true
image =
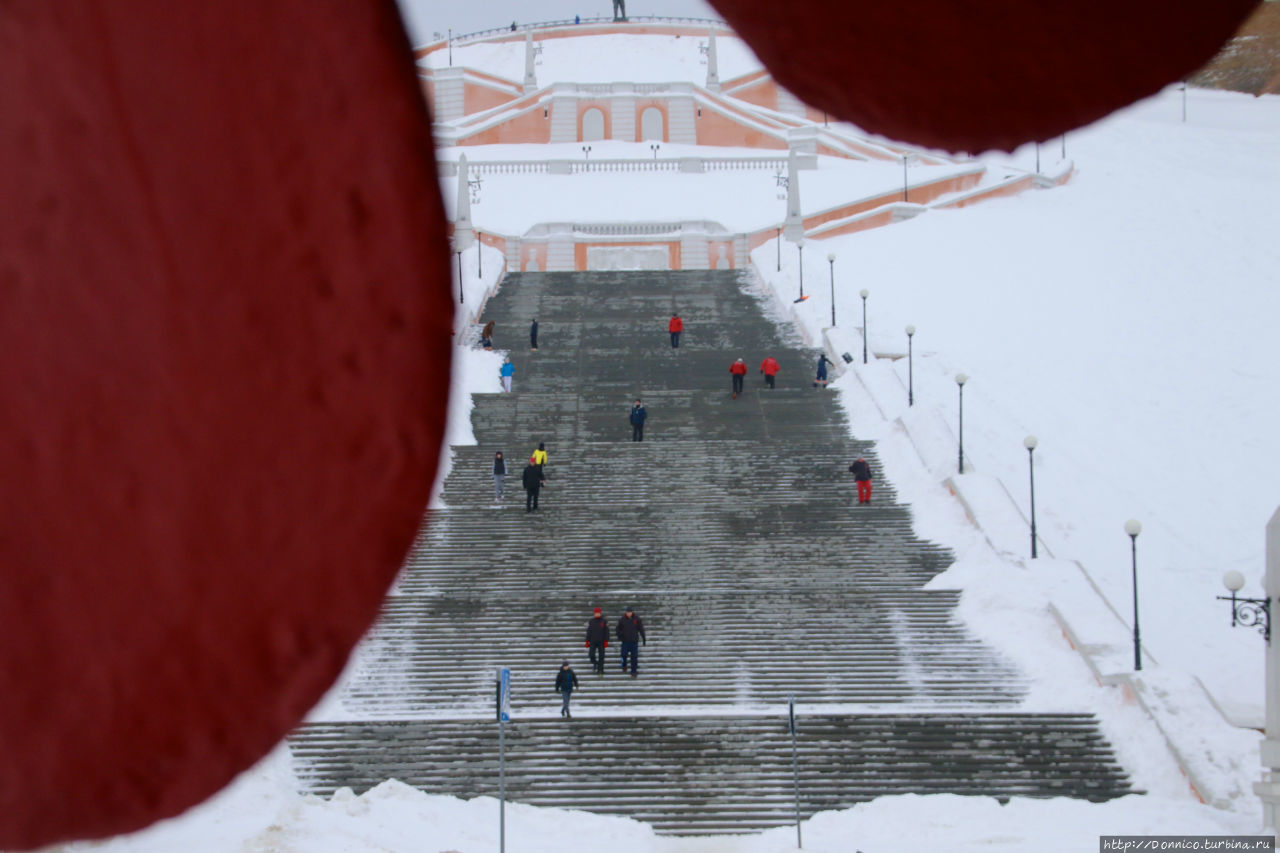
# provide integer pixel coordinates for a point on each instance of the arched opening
(592, 125)
(651, 124)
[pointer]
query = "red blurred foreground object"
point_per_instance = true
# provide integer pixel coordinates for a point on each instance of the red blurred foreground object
(225, 321)
(977, 76)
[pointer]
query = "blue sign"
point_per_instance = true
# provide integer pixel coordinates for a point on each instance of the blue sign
(504, 695)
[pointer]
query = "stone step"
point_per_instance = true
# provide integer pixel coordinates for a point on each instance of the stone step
(728, 774)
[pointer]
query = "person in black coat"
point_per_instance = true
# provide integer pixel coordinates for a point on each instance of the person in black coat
(533, 482)
(861, 471)
(533, 334)
(630, 629)
(638, 414)
(499, 476)
(566, 683)
(597, 640)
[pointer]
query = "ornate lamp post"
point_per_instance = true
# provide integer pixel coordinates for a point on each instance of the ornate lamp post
(586, 152)
(654, 148)
(1249, 612)
(831, 260)
(961, 378)
(462, 294)
(1030, 444)
(864, 293)
(479, 257)
(911, 393)
(1133, 528)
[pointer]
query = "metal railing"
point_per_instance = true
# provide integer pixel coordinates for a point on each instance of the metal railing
(479, 35)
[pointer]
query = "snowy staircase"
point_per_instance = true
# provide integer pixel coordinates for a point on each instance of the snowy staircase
(730, 774)
(733, 531)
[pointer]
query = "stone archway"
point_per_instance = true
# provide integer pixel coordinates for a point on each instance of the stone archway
(593, 124)
(652, 124)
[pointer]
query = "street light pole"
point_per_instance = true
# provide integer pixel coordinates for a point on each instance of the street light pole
(779, 246)
(911, 394)
(462, 294)
(961, 378)
(831, 259)
(1030, 444)
(800, 250)
(479, 257)
(864, 293)
(1133, 528)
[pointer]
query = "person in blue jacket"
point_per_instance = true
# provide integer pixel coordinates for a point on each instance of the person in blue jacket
(638, 414)
(506, 372)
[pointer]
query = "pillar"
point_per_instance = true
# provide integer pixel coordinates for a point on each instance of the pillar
(530, 79)
(793, 227)
(463, 235)
(1269, 788)
(713, 75)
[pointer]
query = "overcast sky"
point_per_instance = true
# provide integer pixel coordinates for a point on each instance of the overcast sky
(423, 17)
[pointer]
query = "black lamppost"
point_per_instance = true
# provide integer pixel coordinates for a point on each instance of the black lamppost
(779, 243)
(961, 378)
(586, 152)
(1249, 612)
(800, 250)
(864, 293)
(462, 294)
(1133, 528)
(1030, 444)
(831, 260)
(911, 392)
(479, 257)
(654, 148)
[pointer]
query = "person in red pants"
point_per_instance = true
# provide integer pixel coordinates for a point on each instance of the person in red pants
(862, 475)
(738, 369)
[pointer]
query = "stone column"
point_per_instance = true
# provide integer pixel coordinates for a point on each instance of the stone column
(530, 79)
(1269, 788)
(713, 75)
(463, 234)
(793, 227)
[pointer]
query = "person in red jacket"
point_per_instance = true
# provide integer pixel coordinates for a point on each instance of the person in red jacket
(675, 327)
(597, 640)
(769, 367)
(739, 370)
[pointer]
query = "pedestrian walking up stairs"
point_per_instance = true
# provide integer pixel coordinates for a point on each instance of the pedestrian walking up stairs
(732, 530)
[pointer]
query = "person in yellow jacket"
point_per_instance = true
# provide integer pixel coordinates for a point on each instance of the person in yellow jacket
(539, 456)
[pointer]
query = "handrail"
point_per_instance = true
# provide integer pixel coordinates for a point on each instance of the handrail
(570, 22)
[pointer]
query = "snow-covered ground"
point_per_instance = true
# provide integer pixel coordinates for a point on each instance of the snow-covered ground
(1127, 319)
(1124, 320)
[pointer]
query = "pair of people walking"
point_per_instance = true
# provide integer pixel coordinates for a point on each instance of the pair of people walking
(629, 632)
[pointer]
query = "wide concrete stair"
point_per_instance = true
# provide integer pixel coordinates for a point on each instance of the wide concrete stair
(733, 530)
(723, 774)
